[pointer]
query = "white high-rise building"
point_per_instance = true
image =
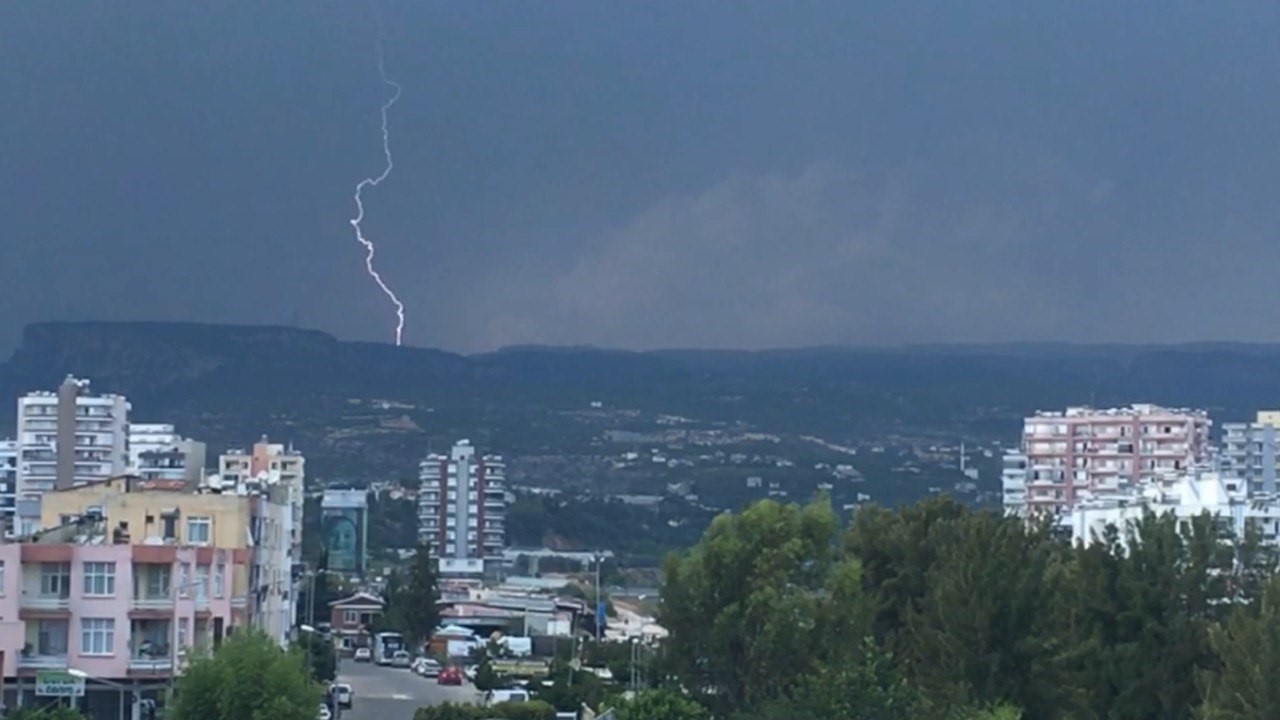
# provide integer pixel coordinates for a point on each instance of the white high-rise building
(8, 479)
(1083, 451)
(462, 510)
(67, 438)
(158, 453)
(1249, 451)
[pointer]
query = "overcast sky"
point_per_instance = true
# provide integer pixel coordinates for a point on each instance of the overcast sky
(647, 174)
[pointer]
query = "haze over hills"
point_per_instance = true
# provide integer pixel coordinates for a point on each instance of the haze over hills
(219, 382)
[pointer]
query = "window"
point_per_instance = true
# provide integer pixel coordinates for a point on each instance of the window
(182, 632)
(350, 617)
(98, 635)
(55, 580)
(202, 582)
(1, 578)
(184, 580)
(100, 579)
(219, 580)
(51, 637)
(157, 581)
(198, 530)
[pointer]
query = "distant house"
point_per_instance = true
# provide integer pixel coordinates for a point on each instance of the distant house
(351, 616)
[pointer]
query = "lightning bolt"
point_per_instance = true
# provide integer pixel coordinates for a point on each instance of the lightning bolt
(369, 249)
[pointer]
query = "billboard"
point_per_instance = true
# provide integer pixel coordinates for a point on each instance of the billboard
(344, 519)
(58, 683)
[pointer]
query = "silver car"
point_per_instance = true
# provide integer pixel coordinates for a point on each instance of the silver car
(401, 659)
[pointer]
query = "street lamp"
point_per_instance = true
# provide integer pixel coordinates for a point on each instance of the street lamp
(178, 590)
(77, 673)
(307, 629)
(599, 609)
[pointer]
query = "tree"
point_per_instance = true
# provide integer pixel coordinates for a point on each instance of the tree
(532, 710)
(1139, 607)
(896, 551)
(1243, 685)
(661, 705)
(414, 607)
(749, 604)
(248, 678)
(570, 689)
(984, 630)
(324, 659)
(868, 687)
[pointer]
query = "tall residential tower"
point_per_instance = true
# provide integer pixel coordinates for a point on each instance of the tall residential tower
(67, 438)
(462, 511)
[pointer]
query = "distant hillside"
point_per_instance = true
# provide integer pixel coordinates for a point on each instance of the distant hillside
(232, 382)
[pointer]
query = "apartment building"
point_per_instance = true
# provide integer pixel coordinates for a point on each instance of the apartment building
(247, 518)
(1013, 481)
(1184, 495)
(1082, 451)
(462, 510)
(1248, 451)
(275, 464)
(87, 596)
(158, 454)
(8, 482)
(65, 438)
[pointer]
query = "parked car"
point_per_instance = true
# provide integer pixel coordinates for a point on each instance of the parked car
(343, 693)
(494, 697)
(426, 667)
(449, 676)
(401, 659)
(324, 713)
(362, 655)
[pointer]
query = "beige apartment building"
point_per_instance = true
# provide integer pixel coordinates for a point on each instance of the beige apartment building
(274, 463)
(1065, 455)
(252, 522)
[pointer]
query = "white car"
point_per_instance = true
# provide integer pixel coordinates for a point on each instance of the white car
(343, 693)
(426, 667)
(362, 655)
(324, 713)
(402, 659)
(494, 697)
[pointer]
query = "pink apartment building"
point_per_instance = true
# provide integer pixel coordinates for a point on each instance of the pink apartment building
(1081, 449)
(112, 612)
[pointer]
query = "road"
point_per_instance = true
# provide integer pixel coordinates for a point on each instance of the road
(384, 693)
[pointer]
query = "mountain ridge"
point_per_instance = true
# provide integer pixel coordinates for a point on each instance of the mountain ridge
(247, 379)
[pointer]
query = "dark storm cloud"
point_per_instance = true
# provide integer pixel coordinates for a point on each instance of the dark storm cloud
(649, 174)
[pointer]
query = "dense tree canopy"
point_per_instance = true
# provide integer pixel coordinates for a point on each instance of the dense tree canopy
(941, 612)
(413, 599)
(319, 650)
(248, 678)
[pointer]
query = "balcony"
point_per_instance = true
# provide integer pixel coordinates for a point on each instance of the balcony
(45, 644)
(153, 602)
(150, 664)
(36, 661)
(45, 602)
(149, 648)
